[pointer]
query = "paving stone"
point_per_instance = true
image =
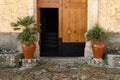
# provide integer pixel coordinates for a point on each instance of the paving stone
(61, 72)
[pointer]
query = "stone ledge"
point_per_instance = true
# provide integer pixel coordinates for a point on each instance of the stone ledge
(10, 60)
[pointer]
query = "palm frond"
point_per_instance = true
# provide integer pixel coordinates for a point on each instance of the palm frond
(97, 33)
(14, 24)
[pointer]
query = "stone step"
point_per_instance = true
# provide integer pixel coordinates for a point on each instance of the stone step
(28, 63)
(62, 60)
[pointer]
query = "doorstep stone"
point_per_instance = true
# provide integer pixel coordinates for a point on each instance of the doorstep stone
(113, 60)
(28, 63)
(10, 60)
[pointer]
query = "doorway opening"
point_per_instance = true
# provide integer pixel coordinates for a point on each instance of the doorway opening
(49, 34)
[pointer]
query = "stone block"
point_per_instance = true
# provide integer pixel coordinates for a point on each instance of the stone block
(113, 60)
(117, 61)
(28, 63)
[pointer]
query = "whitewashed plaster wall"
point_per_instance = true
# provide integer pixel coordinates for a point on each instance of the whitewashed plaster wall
(10, 10)
(109, 14)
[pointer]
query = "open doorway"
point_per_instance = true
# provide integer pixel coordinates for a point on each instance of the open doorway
(49, 34)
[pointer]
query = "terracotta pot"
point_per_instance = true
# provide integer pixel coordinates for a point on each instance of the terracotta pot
(28, 51)
(98, 49)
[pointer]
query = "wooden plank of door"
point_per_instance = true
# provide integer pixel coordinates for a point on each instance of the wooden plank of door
(74, 21)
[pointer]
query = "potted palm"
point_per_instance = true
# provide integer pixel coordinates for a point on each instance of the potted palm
(28, 35)
(97, 35)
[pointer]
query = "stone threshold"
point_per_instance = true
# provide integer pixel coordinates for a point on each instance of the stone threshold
(62, 60)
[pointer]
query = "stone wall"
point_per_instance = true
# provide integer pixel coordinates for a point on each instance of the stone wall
(108, 17)
(8, 40)
(92, 20)
(114, 41)
(10, 10)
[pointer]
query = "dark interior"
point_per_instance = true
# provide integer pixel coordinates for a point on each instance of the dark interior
(49, 34)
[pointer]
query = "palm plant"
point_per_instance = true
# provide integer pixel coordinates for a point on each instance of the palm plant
(28, 36)
(97, 34)
(30, 29)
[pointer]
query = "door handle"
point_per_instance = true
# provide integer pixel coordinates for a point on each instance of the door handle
(69, 31)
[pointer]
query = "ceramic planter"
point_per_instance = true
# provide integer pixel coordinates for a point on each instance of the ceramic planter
(98, 48)
(28, 51)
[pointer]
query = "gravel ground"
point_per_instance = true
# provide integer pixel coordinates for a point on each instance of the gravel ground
(70, 71)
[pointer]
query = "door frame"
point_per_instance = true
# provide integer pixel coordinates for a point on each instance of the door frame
(92, 20)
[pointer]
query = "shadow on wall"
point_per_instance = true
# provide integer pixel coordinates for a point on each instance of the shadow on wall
(8, 40)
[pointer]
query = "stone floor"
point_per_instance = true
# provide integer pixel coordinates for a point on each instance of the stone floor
(61, 69)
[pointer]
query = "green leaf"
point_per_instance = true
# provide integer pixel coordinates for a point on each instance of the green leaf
(14, 24)
(16, 28)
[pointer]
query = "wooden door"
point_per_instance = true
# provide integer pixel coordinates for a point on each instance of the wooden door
(74, 20)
